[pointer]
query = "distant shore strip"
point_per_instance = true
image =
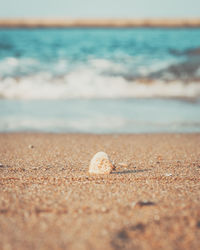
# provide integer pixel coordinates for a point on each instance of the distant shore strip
(98, 23)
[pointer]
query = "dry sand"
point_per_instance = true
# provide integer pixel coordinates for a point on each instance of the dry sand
(59, 22)
(49, 201)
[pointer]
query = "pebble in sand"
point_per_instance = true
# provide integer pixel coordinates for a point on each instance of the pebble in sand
(101, 164)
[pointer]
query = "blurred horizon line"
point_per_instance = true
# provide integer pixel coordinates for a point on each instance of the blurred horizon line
(98, 22)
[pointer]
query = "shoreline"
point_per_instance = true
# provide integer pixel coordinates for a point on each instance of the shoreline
(49, 201)
(109, 134)
(99, 23)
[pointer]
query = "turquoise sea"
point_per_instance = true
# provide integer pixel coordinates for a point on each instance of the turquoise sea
(87, 80)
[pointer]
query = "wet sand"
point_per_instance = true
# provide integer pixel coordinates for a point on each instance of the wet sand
(63, 22)
(49, 201)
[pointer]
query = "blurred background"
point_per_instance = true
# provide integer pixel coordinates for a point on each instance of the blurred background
(100, 80)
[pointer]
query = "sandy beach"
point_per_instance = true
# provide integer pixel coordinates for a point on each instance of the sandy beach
(49, 201)
(103, 22)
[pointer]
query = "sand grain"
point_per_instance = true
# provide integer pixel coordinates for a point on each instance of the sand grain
(49, 201)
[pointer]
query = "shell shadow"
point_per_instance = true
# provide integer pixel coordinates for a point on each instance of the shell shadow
(131, 171)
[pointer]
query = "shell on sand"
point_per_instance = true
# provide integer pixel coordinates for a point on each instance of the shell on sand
(101, 164)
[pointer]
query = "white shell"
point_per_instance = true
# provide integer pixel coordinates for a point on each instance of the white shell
(100, 164)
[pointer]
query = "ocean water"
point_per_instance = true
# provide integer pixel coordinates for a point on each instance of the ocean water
(100, 80)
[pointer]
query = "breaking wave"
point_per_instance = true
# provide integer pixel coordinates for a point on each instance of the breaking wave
(96, 78)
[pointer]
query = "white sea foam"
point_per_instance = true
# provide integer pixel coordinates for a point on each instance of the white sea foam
(99, 78)
(103, 65)
(11, 65)
(94, 124)
(87, 84)
(98, 124)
